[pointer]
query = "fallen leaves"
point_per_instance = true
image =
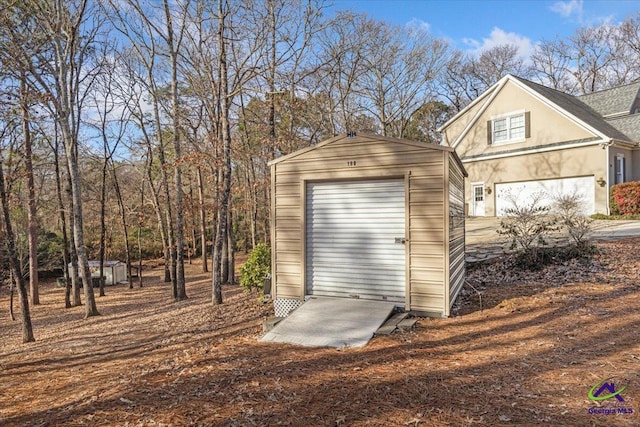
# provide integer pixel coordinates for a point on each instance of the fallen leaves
(530, 356)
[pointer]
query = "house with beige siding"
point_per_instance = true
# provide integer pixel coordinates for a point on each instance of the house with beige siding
(521, 141)
(368, 217)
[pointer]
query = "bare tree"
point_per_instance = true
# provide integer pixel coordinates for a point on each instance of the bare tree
(495, 63)
(225, 133)
(592, 57)
(53, 140)
(158, 24)
(27, 329)
(61, 72)
(630, 33)
(13, 36)
(454, 84)
(111, 132)
(33, 218)
(341, 66)
(551, 65)
(174, 42)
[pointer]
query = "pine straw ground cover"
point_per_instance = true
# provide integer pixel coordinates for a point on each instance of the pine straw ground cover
(529, 357)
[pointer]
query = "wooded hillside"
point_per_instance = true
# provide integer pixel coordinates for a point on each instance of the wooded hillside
(136, 129)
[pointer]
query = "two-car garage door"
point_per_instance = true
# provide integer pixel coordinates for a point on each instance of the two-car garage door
(545, 191)
(355, 234)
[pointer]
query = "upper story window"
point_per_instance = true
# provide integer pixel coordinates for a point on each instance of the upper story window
(506, 129)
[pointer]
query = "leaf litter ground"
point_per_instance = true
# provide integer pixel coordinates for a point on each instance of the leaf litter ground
(530, 356)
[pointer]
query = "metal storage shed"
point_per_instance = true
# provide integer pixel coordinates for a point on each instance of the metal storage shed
(368, 217)
(114, 271)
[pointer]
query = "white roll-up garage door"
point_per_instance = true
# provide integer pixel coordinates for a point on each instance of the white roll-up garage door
(354, 239)
(545, 191)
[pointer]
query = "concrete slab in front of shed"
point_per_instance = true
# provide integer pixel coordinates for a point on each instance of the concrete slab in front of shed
(331, 322)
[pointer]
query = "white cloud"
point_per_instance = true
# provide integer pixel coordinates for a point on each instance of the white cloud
(569, 8)
(500, 37)
(419, 24)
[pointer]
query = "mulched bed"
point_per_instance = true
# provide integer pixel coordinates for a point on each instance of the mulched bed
(530, 356)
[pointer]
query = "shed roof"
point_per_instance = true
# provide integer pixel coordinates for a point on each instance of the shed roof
(371, 137)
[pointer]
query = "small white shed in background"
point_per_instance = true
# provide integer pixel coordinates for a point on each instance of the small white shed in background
(368, 217)
(114, 271)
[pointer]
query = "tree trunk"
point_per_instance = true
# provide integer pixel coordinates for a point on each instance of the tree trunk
(221, 235)
(63, 226)
(103, 225)
(254, 206)
(231, 261)
(75, 280)
(123, 219)
(33, 219)
(164, 182)
(27, 329)
(203, 221)
(140, 220)
(161, 222)
(181, 292)
(272, 74)
(12, 285)
(71, 146)
(224, 259)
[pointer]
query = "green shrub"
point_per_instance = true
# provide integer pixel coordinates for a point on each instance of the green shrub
(626, 197)
(254, 271)
(50, 246)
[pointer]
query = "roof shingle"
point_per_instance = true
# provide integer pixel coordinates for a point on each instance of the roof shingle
(581, 110)
(617, 100)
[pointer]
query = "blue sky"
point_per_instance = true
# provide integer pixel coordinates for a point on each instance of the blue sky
(472, 25)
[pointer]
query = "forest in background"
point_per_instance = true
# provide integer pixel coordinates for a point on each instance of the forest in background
(137, 129)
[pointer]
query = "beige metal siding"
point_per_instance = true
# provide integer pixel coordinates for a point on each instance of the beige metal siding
(286, 237)
(368, 157)
(456, 231)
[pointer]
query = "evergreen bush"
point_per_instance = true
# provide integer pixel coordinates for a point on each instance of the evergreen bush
(254, 271)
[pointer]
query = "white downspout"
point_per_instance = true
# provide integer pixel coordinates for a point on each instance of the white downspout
(608, 208)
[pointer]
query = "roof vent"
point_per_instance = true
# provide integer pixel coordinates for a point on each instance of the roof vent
(351, 134)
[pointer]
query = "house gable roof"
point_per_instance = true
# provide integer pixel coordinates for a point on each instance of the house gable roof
(577, 109)
(570, 106)
(629, 125)
(618, 100)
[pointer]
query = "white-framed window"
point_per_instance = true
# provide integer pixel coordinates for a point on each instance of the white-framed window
(478, 193)
(510, 128)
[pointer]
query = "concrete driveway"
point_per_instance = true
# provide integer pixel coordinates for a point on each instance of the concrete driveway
(483, 242)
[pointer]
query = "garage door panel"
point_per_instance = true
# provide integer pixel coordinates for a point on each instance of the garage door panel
(351, 231)
(523, 193)
(344, 258)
